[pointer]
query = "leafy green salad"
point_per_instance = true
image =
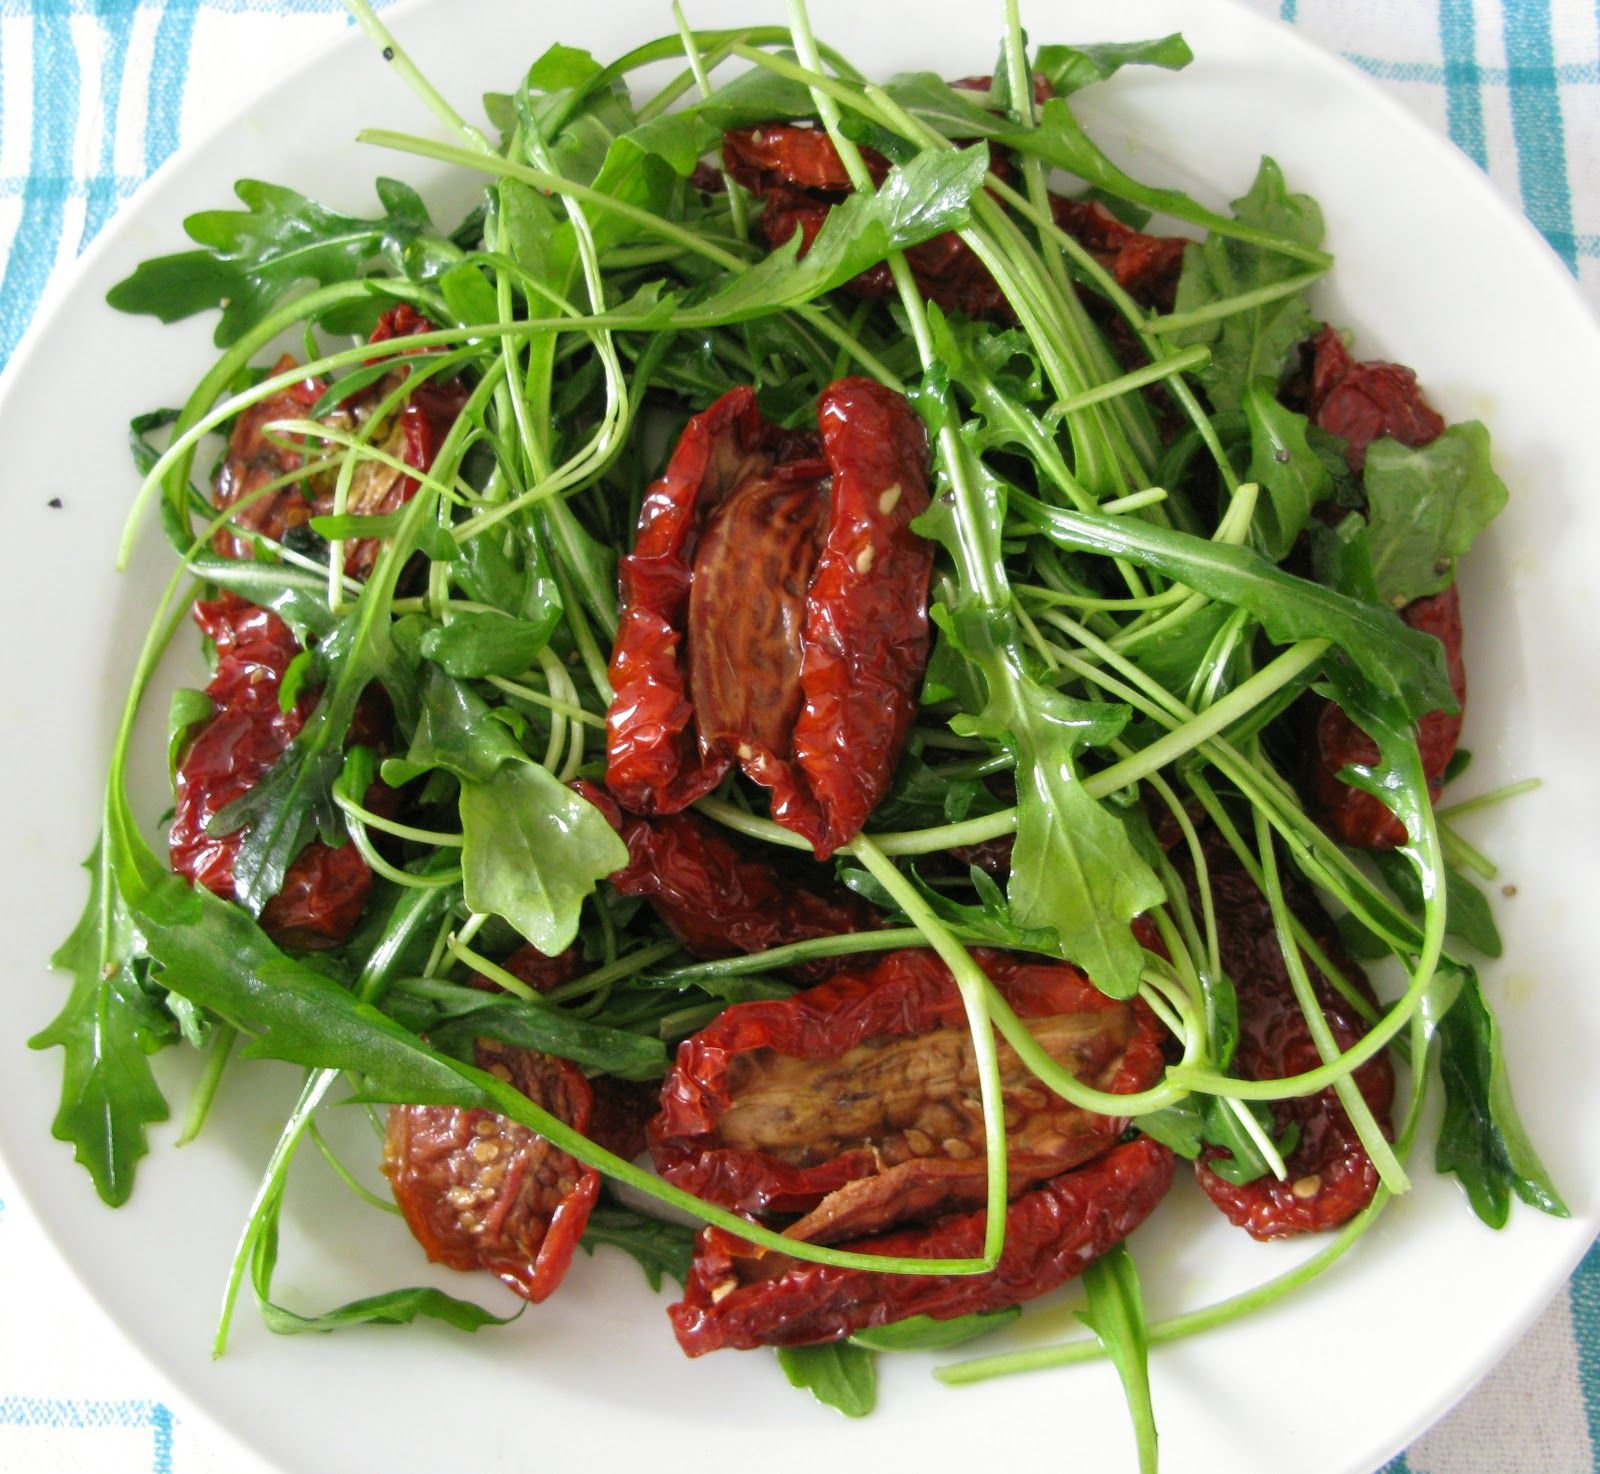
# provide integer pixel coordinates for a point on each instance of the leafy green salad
(1189, 647)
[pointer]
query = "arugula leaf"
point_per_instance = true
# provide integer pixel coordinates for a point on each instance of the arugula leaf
(1068, 68)
(476, 644)
(186, 711)
(915, 202)
(658, 1247)
(107, 1028)
(1284, 465)
(923, 1333)
(1289, 608)
(297, 596)
(1115, 1314)
(455, 732)
(1469, 918)
(392, 1308)
(1074, 867)
(1249, 345)
(533, 851)
(253, 259)
(842, 1375)
(1482, 1139)
(1426, 506)
(551, 1030)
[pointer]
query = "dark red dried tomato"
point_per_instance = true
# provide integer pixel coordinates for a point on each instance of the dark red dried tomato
(325, 888)
(856, 1103)
(1331, 1177)
(799, 176)
(1363, 402)
(1146, 267)
(720, 900)
(1356, 817)
(480, 1191)
(774, 613)
(257, 456)
(742, 1297)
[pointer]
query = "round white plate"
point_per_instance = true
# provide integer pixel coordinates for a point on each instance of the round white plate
(1433, 270)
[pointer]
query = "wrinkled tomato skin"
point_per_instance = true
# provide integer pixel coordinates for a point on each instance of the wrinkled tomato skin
(739, 1297)
(1355, 817)
(840, 641)
(1147, 267)
(1330, 1176)
(326, 887)
(888, 1125)
(720, 900)
(480, 1191)
(1366, 401)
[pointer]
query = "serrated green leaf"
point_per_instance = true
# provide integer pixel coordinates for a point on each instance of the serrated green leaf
(253, 259)
(1426, 507)
(533, 851)
(656, 1246)
(1068, 68)
(1256, 343)
(107, 1030)
(840, 1375)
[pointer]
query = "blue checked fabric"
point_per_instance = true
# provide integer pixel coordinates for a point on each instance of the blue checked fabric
(95, 94)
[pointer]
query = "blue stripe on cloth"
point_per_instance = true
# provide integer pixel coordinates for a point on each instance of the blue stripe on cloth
(1577, 73)
(55, 121)
(169, 71)
(116, 20)
(41, 1412)
(1289, 11)
(1537, 126)
(1585, 1292)
(1463, 104)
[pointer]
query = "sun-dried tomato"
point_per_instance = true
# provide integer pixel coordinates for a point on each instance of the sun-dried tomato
(1146, 267)
(742, 1297)
(720, 899)
(798, 175)
(1357, 817)
(480, 1191)
(1366, 401)
(326, 887)
(1363, 402)
(774, 613)
(1330, 1176)
(856, 1103)
(257, 455)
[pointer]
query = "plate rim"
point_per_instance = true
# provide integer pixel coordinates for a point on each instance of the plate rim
(66, 284)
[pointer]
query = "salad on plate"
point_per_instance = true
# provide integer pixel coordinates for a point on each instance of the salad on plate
(829, 690)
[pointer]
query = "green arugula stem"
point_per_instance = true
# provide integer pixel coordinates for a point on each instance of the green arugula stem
(205, 1089)
(1489, 800)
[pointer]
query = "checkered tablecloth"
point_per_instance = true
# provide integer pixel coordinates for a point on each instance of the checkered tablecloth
(94, 94)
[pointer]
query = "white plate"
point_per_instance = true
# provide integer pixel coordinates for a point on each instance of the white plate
(1433, 270)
